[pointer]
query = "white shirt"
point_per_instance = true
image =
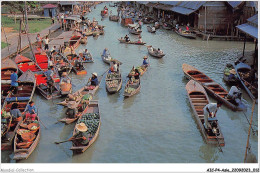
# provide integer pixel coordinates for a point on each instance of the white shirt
(232, 90)
(115, 67)
(212, 107)
(46, 41)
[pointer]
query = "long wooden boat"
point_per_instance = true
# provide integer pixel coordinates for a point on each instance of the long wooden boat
(89, 58)
(198, 100)
(71, 59)
(113, 82)
(142, 69)
(106, 59)
(74, 41)
(186, 34)
(81, 92)
(61, 63)
(7, 66)
(93, 122)
(213, 88)
(243, 73)
(150, 29)
(23, 149)
(135, 32)
(154, 52)
(25, 64)
(167, 26)
(131, 42)
(132, 88)
(226, 73)
(114, 18)
(24, 95)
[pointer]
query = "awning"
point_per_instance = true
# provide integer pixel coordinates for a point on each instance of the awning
(188, 7)
(164, 7)
(249, 29)
(182, 10)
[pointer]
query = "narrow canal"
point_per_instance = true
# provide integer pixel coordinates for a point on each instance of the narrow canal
(156, 125)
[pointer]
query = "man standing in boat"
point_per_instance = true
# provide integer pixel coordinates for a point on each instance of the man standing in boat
(210, 111)
(14, 82)
(50, 81)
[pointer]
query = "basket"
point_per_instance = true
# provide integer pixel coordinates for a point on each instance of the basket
(27, 137)
(33, 124)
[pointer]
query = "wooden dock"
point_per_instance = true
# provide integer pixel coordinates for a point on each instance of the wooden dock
(59, 41)
(217, 37)
(5, 53)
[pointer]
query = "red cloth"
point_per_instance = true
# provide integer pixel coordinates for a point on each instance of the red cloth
(30, 116)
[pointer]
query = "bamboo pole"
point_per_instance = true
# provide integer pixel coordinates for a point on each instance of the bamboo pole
(249, 130)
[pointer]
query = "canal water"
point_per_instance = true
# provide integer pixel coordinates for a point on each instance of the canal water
(156, 125)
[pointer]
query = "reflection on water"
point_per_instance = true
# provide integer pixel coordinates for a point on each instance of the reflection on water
(157, 124)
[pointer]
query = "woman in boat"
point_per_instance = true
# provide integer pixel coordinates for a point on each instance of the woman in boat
(81, 136)
(14, 82)
(86, 55)
(94, 79)
(210, 111)
(30, 111)
(136, 76)
(65, 78)
(78, 63)
(15, 112)
(72, 109)
(127, 38)
(145, 63)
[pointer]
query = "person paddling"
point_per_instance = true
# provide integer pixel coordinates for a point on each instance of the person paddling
(145, 63)
(94, 79)
(30, 111)
(82, 136)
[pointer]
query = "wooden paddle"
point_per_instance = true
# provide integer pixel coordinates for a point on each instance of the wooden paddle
(70, 139)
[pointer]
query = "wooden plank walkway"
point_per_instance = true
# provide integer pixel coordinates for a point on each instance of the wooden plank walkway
(24, 43)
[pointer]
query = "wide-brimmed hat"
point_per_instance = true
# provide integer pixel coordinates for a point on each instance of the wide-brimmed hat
(72, 104)
(64, 74)
(233, 71)
(82, 127)
(145, 57)
(95, 74)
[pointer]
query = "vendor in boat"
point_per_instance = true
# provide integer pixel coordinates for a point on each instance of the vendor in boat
(113, 67)
(30, 111)
(159, 51)
(78, 63)
(72, 110)
(51, 62)
(127, 38)
(82, 136)
(86, 55)
(235, 94)
(65, 78)
(50, 80)
(15, 112)
(210, 111)
(106, 53)
(136, 75)
(232, 74)
(145, 63)
(94, 79)
(14, 82)
(187, 28)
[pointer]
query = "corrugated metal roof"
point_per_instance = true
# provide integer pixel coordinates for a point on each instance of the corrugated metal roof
(249, 29)
(142, 2)
(173, 3)
(234, 4)
(188, 7)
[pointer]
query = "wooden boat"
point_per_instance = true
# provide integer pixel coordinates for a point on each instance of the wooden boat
(24, 95)
(71, 59)
(81, 92)
(213, 88)
(167, 26)
(61, 63)
(131, 42)
(23, 149)
(75, 40)
(142, 69)
(198, 100)
(226, 73)
(113, 82)
(106, 59)
(148, 20)
(150, 29)
(92, 114)
(243, 73)
(25, 64)
(186, 34)
(84, 40)
(7, 66)
(134, 31)
(132, 88)
(154, 52)
(66, 88)
(114, 18)
(89, 58)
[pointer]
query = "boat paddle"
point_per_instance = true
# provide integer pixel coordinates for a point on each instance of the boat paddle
(40, 119)
(70, 139)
